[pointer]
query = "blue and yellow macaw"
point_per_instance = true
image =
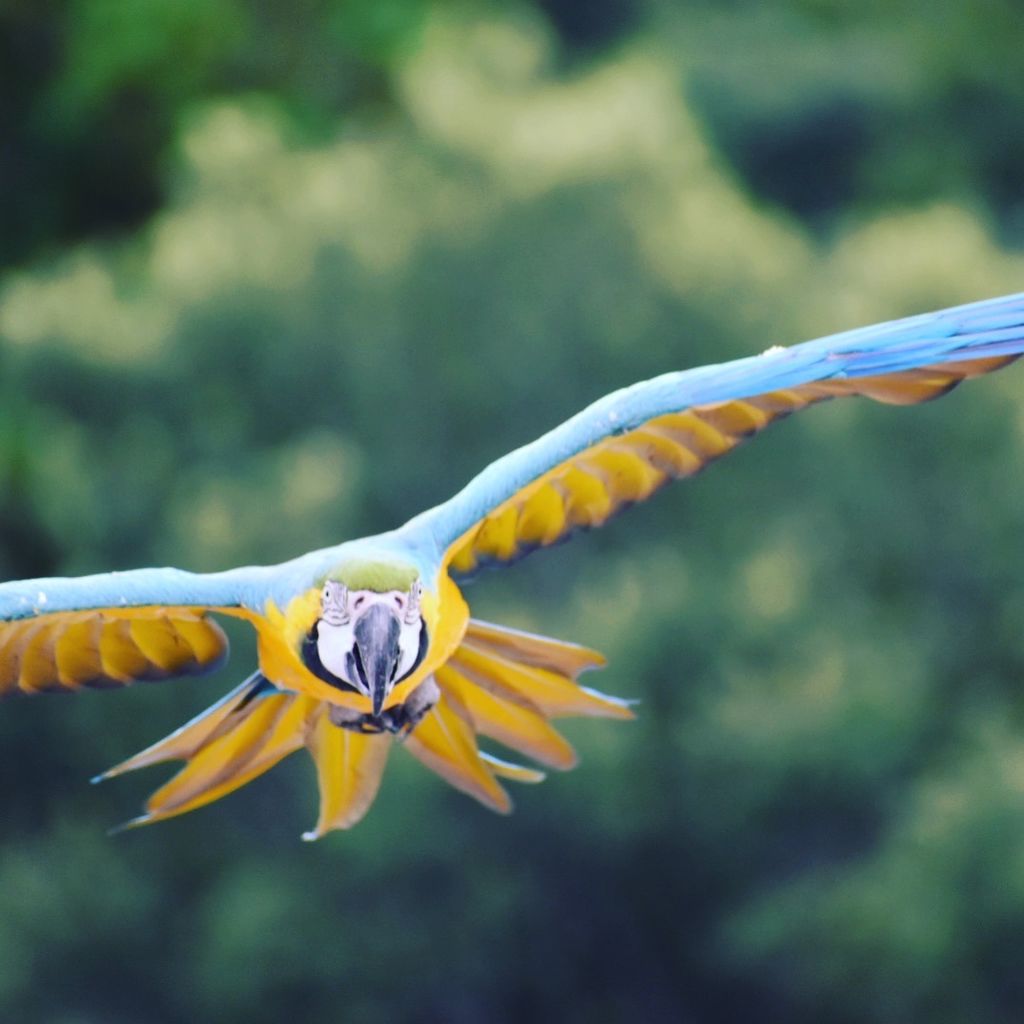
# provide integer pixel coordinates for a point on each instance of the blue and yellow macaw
(372, 640)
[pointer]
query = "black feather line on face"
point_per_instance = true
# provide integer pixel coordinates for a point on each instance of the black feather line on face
(311, 659)
(421, 653)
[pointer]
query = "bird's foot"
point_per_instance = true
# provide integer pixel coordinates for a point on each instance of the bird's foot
(356, 721)
(418, 706)
(399, 720)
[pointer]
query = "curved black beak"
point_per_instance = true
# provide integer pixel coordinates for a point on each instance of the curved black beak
(377, 652)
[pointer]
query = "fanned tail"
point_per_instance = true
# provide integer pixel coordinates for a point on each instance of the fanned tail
(500, 683)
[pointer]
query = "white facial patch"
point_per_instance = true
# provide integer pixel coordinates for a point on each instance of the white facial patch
(341, 610)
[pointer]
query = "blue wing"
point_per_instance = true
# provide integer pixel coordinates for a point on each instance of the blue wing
(625, 446)
(135, 588)
(118, 627)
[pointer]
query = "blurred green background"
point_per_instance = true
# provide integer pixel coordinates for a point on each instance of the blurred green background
(278, 273)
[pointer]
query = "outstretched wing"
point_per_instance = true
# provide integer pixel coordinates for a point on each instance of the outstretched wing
(116, 628)
(623, 448)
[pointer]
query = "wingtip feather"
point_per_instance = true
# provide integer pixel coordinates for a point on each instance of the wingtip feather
(125, 826)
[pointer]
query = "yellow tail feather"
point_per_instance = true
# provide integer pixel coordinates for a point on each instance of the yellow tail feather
(513, 723)
(445, 743)
(349, 766)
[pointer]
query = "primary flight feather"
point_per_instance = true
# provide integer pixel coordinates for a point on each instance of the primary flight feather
(372, 641)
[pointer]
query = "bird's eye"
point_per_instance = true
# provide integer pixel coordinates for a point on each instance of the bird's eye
(399, 601)
(359, 602)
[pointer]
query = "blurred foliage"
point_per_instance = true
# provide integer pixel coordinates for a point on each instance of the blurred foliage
(364, 249)
(92, 93)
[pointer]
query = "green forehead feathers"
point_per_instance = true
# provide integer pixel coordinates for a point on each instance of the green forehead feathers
(377, 576)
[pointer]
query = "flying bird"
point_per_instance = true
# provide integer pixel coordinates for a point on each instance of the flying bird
(371, 642)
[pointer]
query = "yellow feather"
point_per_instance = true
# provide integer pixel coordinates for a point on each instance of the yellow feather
(734, 418)
(508, 770)
(552, 694)
(542, 519)
(662, 452)
(349, 766)
(203, 635)
(626, 476)
(528, 649)
(121, 659)
(444, 742)
(587, 500)
(37, 668)
(512, 723)
(77, 652)
(276, 728)
(162, 645)
(694, 433)
(497, 536)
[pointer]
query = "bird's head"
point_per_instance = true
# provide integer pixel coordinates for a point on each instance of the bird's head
(370, 632)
